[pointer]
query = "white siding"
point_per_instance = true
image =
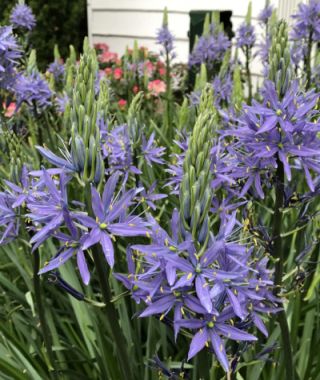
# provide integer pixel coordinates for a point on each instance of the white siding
(119, 23)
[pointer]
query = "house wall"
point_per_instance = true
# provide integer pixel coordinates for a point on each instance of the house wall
(119, 23)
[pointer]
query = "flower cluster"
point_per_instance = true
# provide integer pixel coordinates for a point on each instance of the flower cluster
(9, 54)
(307, 22)
(33, 90)
(245, 36)
(22, 17)
(58, 70)
(265, 14)
(43, 201)
(218, 293)
(210, 48)
(282, 130)
(165, 39)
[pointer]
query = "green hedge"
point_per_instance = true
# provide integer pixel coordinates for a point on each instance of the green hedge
(61, 22)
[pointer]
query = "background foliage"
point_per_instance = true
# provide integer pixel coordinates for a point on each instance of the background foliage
(61, 22)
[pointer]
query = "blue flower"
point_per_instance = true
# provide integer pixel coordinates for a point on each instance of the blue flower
(72, 246)
(58, 70)
(118, 150)
(49, 211)
(220, 292)
(10, 52)
(22, 17)
(110, 218)
(265, 14)
(279, 129)
(307, 22)
(245, 36)
(9, 220)
(151, 152)
(32, 90)
(165, 39)
(210, 49)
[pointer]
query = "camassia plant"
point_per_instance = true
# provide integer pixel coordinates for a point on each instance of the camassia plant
(183, 245)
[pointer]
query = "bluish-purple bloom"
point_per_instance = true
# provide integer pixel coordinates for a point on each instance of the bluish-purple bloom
(175, 169)
(71, 246)
(51, 210)
(212, 292)
(32, 90)
(151, 152)
(278, 129)
(22, 17)
(307, 22)
(222, 88)
(245, 36)
(265, 14)
(111, 218)
(58, 70)
(165, 39)
(210, 49)
(149, 196)
(10, 52)
(118, 150)
(9, 221)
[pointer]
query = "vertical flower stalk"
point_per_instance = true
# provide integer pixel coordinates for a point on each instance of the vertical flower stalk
(306, 31)
(47, 340)
(111, 312)
(165, 39)
(195, 191)
(86, 111)
(280, 74)
(246, 40)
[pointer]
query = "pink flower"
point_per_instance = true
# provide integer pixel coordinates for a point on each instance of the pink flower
(122, 104)
(161, 68)
(9, 111)
(117, 73)
(107, 57)
(135, 89)
(108, 71)
(150, 67)
(101, 46)
(156, 87)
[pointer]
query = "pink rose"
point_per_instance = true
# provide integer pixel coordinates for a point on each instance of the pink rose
(156, 87)
(107, 57)
(108, 71)
(101, 46)
(135, 89)
(150, 67)
(122, 104)
(117, 73)
(9, 111)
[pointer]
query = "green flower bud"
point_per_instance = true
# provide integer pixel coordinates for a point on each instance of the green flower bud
(206, 25)
(183, 114)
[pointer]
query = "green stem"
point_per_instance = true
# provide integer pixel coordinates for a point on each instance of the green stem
(114, 328)
(41, 312)
(167, 124)
(313, 260)
(248, 72)
(279, 257)
(308, 60)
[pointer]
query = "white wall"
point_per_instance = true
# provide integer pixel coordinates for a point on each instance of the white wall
(120, 22)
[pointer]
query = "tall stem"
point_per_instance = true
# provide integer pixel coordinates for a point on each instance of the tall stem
(279, 257)
(168, 98)
(114, 328)
(248, 72)
(41, 312)
(308, 60)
